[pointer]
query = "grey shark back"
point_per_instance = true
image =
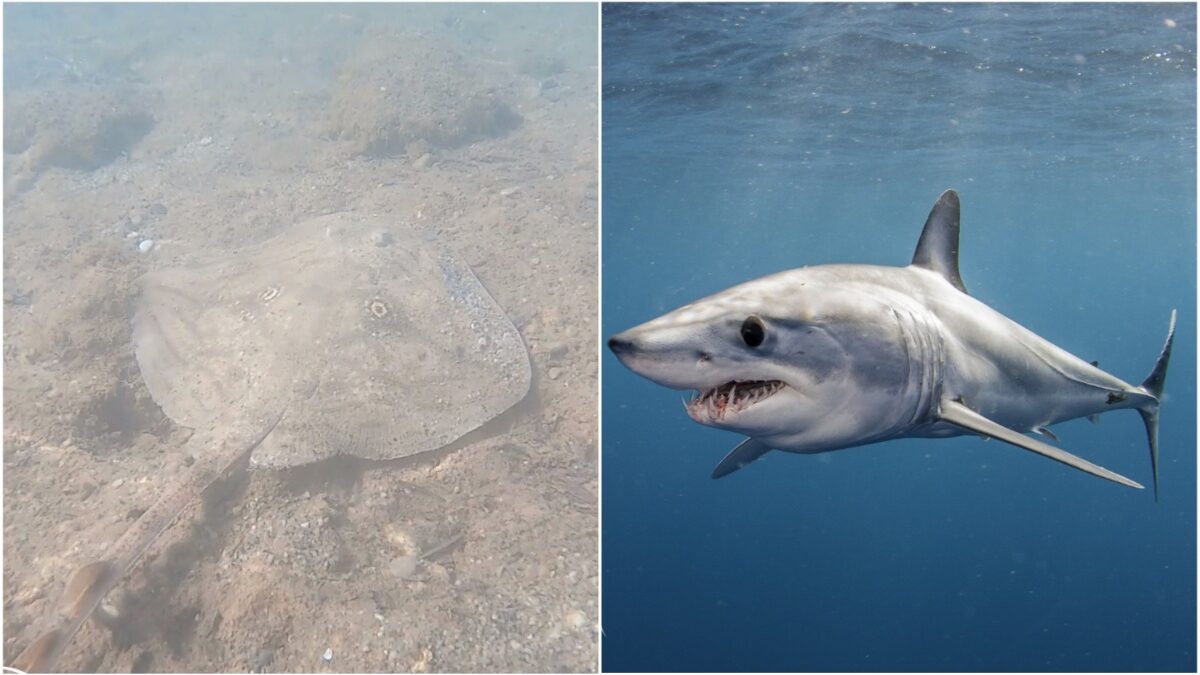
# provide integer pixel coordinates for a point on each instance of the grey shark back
(836, 356)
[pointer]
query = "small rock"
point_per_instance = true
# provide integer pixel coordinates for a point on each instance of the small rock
(27, 595)
(146, 245)
(576, 619)
(557, 351)
(328, 655)
(382, 238)
(118, 482)
(207, 140)
(107, 613)
(554, 372)
(404, 566)
(262, 658)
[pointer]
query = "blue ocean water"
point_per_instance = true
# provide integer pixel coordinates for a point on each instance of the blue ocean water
(741, 140)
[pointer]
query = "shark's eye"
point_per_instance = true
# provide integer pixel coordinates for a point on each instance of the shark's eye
(753, 331)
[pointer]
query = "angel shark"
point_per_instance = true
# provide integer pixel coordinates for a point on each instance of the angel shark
(836, 356)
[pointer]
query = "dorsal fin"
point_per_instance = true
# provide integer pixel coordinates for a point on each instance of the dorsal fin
(937, 250)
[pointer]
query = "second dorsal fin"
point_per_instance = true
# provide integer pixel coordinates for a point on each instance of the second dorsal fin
(937, 250)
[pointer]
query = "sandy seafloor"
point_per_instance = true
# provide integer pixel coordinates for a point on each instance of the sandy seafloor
(208, 129)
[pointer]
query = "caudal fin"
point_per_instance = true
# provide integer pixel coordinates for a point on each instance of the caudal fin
(1153, 385)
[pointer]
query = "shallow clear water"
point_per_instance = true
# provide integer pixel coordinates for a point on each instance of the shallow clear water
(744, 140)
(178, 150)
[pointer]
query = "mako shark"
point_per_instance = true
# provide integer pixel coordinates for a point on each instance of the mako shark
(837, 356)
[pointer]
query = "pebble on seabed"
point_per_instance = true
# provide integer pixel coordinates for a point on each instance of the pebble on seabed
(576, 619)
(328, 655)
(403, 566)
(146, 245)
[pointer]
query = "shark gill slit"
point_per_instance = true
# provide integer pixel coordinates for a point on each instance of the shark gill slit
(926, 348)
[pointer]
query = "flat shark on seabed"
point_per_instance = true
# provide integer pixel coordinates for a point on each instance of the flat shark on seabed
(837, 356)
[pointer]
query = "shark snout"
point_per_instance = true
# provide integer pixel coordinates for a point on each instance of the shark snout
(661, 360)
(625, 347)
(621, 343)
(629, 350)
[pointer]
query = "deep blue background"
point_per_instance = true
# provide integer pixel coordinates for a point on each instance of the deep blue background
(744, 140)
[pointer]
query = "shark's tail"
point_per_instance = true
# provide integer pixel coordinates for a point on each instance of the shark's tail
(1153, 385)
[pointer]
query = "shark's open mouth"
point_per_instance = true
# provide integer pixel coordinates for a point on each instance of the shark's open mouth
(732, 397)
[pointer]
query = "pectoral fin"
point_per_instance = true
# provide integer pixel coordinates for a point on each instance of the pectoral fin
(747, 451)
(1045, 432)
(960, 415)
